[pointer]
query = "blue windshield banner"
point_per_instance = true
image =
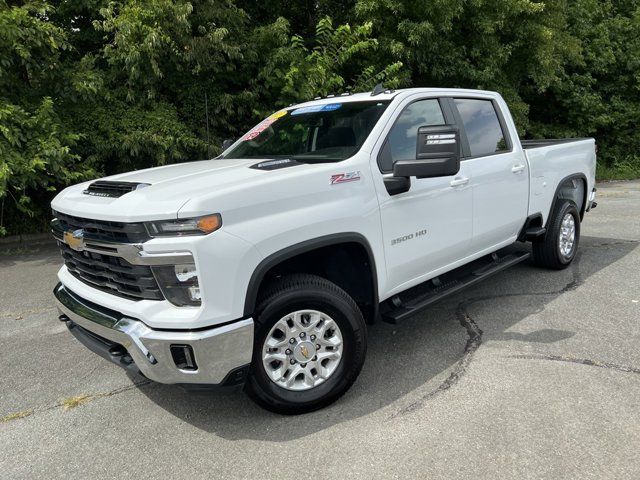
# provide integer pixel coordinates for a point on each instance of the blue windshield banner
(329, 107)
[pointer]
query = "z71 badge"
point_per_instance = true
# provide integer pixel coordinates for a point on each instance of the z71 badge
(345, 177)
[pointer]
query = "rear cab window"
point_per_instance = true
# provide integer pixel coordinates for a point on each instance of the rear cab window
(482, 126)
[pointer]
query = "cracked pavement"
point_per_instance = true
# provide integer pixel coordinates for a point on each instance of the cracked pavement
(531, 374)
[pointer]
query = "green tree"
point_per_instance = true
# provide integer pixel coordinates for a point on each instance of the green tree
(36, 145)
(510, 46)
(338, 60)
(96, 87)
(598, 92)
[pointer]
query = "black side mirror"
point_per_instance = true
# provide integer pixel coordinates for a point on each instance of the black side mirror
(227, 143)
(437, 154)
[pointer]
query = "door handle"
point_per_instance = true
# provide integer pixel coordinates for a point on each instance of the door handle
(456, 182)
(517, 168)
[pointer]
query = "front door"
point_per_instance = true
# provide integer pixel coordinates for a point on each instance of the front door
(430, 226)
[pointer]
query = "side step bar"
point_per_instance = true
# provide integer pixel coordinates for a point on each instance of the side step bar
(408, 303)
(532, 233)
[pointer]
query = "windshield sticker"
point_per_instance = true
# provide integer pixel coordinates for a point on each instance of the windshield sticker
(330, 107)
(263, 125)
(277, 115)
(345, 177)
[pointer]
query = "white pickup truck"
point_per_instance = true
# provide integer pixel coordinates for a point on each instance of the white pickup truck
(263, 266)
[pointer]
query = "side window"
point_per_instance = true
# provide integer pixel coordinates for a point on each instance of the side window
(481, 125)
(403, 137)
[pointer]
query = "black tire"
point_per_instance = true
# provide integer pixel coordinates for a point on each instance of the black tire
(299, 292)
(546, 251)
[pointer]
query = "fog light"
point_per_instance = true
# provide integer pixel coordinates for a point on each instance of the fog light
(194, 294)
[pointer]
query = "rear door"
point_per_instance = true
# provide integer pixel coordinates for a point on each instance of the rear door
(430, 226)
(499, 172)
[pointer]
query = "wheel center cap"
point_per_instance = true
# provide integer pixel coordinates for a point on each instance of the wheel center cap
(304, 352)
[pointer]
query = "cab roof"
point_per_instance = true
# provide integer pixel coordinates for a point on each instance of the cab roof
(391, 94)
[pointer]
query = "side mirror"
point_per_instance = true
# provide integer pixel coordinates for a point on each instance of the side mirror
(437, 154)
(227, 143)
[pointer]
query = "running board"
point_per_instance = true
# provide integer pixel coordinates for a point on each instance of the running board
(410, 302)
(532, 233)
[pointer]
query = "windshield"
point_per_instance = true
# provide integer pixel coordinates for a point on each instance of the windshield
(314, 134)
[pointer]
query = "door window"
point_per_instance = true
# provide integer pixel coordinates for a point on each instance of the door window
(403, 137)
(482, 126)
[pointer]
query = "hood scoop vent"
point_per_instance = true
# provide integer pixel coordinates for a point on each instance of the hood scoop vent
(275, 164)
(105, 188)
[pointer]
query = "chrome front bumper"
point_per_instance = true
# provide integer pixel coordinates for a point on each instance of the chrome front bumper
(221, 353)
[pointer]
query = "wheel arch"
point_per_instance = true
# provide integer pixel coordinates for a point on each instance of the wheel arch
(350, 242)
(565, 185)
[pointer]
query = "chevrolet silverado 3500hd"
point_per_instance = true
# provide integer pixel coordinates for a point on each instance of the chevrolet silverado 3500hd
(264, 265)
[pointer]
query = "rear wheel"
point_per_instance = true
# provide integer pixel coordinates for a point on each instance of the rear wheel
(310, 344)
(559, 246)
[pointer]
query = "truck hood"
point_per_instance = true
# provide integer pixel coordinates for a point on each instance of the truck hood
(169, 188)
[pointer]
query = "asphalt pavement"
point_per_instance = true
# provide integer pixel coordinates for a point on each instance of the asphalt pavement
(531, 374)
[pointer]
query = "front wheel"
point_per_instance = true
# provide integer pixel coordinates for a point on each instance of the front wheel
(310, 344)
(559, 246)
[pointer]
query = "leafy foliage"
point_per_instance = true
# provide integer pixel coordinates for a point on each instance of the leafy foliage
(597, 93)
(338, 60)
(36, 146)
(95, 87)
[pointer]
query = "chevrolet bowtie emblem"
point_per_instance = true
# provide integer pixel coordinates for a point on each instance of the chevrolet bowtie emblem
(305, 351)
(74, 239)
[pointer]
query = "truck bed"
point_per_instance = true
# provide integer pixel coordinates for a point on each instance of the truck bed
(547, 142)
(552, 161)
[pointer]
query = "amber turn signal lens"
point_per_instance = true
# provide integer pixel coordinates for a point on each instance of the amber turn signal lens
(209, 223)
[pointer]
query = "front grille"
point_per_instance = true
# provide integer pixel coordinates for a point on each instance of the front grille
(111, 274)
(118, 232)
(108, 273)
(105, 188)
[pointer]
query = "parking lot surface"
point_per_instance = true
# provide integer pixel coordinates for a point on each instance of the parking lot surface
(531, 374)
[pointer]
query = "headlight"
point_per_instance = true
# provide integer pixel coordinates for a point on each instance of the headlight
(179, 284)
(190, 226)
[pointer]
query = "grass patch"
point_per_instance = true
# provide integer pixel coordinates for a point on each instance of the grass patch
(14, 251)
(19, 250)
(73, 402)
(16, 416)
(618, 171)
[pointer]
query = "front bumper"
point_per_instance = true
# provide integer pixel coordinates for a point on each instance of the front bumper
(221, 353)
